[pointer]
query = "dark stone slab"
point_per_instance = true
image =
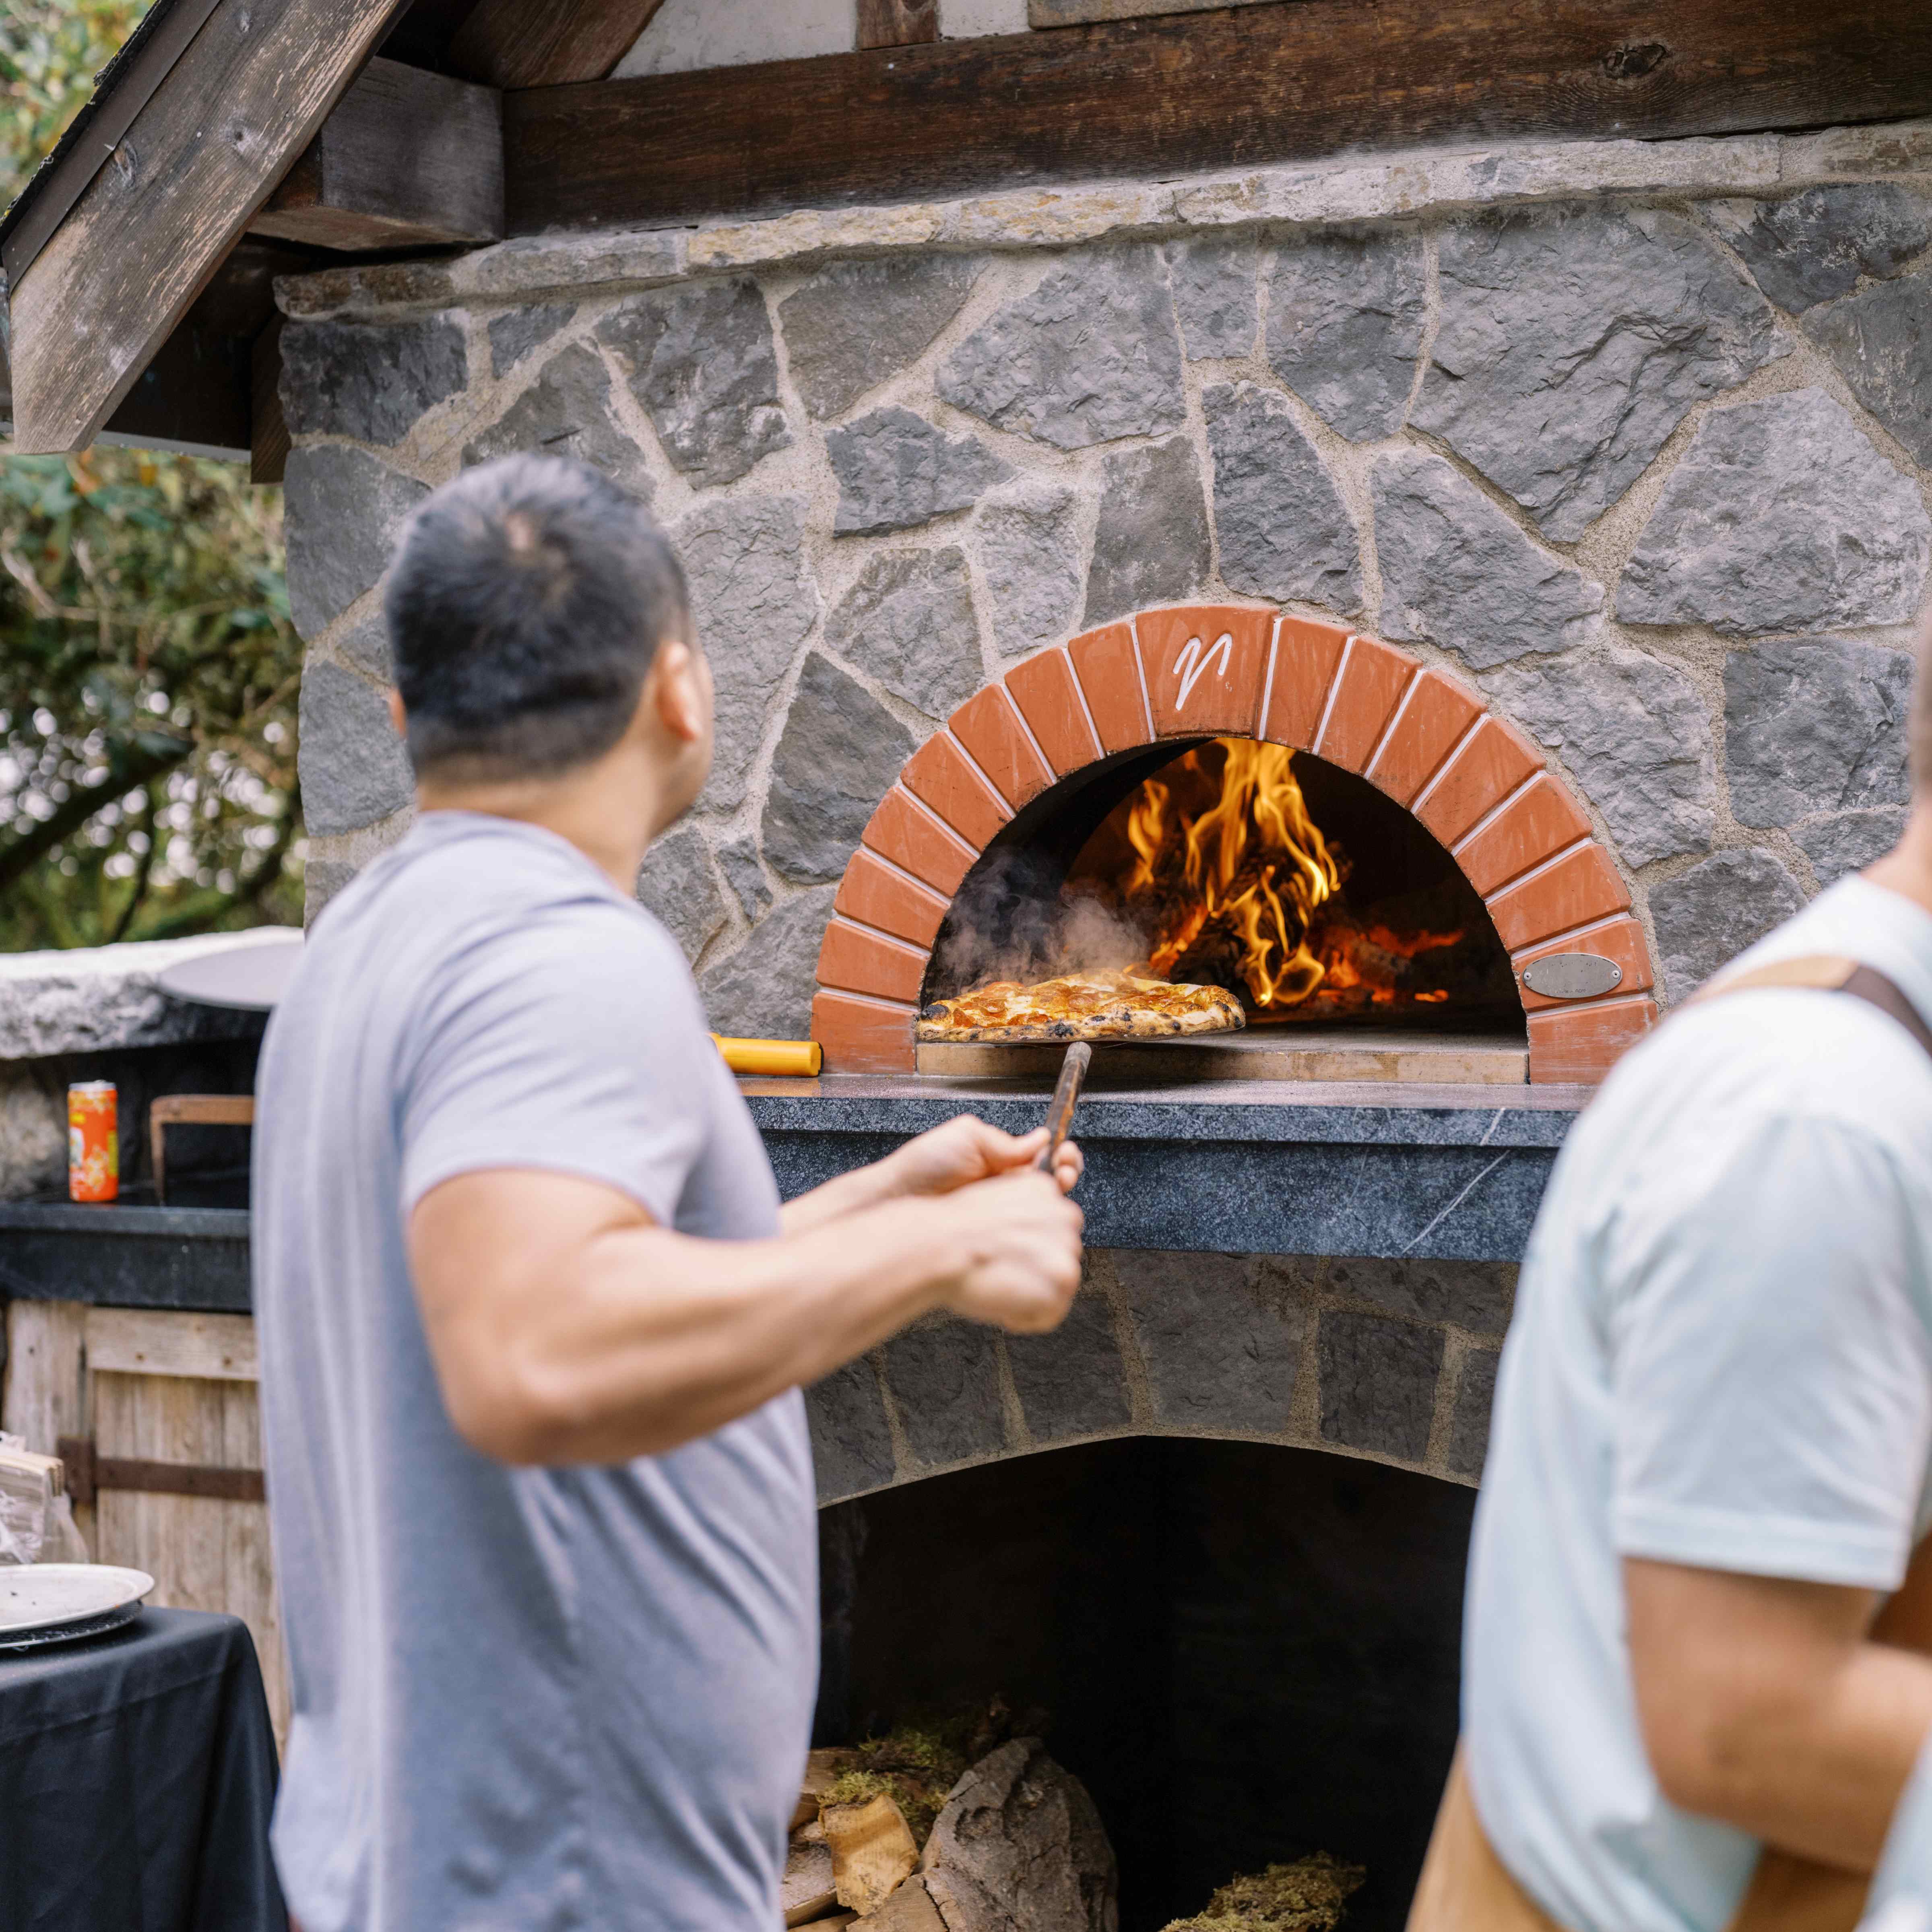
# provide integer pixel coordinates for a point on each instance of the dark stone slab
(514, 334)
(183, 1258)
(851, 1442)
(1476, 1295)
(1378, 1379)
(1221, 1349)
(352, 378)
(1469, 1425)
(945, 1376)
(1072, 1381)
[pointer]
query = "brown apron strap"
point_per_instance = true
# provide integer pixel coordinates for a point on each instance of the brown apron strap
(1825, 973)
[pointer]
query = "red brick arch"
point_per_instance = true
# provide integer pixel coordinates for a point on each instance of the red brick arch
(1234, 670)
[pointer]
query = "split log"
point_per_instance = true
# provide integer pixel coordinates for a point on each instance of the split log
(806, 1892)
(910, 1909)
(873, 1850)
(1020, 1843)
(823, 1769)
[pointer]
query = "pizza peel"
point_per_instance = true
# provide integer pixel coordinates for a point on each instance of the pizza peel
(1066, 1098)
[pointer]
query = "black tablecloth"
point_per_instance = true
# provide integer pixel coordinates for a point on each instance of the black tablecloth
(137, 1772)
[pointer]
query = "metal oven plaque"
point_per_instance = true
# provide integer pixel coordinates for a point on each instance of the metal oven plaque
(1572, 976)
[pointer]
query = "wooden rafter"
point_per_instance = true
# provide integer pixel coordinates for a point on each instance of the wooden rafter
(241, 102)
(1234, 88)
(510, 43)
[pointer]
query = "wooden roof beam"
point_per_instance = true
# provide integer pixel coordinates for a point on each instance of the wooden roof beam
(244, 98)
(510, 43)
(408, 160)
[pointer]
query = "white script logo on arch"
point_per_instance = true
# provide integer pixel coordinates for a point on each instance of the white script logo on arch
(1194, 661)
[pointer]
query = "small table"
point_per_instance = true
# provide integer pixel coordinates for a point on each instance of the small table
(137, 1775)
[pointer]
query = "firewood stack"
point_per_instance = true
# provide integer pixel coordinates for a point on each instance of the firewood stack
(1015, 1845)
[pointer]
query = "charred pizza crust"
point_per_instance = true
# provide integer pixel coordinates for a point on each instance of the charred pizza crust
(1082, 1005)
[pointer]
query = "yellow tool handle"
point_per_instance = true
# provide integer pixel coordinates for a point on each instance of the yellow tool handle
(771, 1056)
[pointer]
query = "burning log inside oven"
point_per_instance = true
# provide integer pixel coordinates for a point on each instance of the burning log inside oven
(1241, 885)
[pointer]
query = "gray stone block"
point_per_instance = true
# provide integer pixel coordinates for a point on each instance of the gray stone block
(1635, 731)
(1378, 1379)
(92, 999)
(1456, 571)
(1815, 727)
(33, 1134)
(365, 644)
(1214, 284)
(322, 879)
(1848, 841)
(851, 1441)
(354, 769)
(855, 323)
(1475, 1295)
(945, 1378)
(676, 884)
(1151, 543)
(344, 510)
(744, 873)
(753, 601)
(1814, 245)
(1031, 560)
(1881, 339)
(700, 359)
(1091, 355)
(1781, 516)
(1469, 1420)
(515, 333)
(908, 622)
(1283, 530)
(1072, 1382)
(836, 758)
(1222, 1350)
(763, 990)
(1708, 915)
(566, 411)
(895, 470)
(367, 381)
(1573, 341)
(1345, 315)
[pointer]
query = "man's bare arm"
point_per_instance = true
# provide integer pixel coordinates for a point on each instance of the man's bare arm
(940, 1161)
(1763, 1704)
(567, 1326)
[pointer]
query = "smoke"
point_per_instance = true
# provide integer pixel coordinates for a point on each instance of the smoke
(1015, 919)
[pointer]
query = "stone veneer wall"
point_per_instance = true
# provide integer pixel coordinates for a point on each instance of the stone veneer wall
(1392, 1361)
(1635, 435)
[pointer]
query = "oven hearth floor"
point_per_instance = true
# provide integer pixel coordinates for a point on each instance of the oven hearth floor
(1296, 1053)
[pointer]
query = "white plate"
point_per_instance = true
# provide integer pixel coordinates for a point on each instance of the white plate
(42, 1596)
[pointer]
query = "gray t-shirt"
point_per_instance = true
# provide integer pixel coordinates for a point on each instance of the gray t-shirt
(525, 1699)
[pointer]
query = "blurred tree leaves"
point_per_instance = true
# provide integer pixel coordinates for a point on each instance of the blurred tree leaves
(148, 671)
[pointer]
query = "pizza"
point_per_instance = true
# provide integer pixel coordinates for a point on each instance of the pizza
(1103, 1005)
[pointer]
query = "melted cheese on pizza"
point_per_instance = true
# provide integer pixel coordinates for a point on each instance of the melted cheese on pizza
(1102, 1005)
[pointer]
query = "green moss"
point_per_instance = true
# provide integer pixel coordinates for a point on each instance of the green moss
(1310, 1895)
(914, 1765)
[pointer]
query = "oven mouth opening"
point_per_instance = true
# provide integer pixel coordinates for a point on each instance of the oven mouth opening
(1356, 945)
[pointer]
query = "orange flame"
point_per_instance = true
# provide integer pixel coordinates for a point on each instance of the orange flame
(1254, 863)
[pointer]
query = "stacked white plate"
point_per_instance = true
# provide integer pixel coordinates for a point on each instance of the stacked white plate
(60, 1603)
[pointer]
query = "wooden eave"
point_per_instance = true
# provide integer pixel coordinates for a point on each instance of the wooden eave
(233, 140)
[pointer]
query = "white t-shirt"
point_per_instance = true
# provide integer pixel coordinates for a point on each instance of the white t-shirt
(1721, 1356)
(1901, 1893)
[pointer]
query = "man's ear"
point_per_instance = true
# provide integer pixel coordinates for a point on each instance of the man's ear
(398, 717)
(675, 689)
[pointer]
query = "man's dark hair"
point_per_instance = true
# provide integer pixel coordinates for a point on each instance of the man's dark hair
(527, 599)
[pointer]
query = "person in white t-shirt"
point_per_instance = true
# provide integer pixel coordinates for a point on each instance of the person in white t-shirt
(1901, 1897)
(1709, 1457)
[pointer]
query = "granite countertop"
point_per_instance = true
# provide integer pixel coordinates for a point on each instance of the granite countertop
(1247, 1167)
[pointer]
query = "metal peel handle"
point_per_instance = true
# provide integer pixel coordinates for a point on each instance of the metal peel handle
(1066, 1098)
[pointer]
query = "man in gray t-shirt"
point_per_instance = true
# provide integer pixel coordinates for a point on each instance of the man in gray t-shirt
(532, 1320)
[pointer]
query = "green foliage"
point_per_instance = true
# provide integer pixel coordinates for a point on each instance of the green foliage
(148, 670)
(1311, 1895)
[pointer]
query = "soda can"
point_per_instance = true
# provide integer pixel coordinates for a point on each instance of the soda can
(93, 1142)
